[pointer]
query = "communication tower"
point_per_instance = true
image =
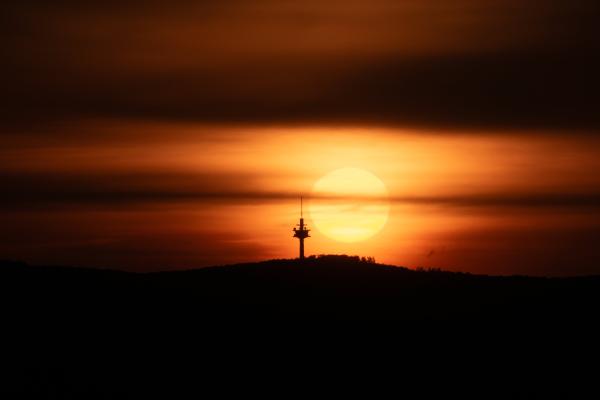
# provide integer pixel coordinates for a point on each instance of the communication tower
(301, 232)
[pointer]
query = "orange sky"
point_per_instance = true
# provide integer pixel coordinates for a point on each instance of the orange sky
(151, 135)
(191, 195)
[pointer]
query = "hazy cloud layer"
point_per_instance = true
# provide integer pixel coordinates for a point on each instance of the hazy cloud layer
(39, 190)
(452, 63)
(122, 98)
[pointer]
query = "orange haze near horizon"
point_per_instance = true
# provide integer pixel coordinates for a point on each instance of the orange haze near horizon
(152, 135)
(194, 195)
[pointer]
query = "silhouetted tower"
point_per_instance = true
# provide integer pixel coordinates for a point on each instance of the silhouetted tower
(301, 232)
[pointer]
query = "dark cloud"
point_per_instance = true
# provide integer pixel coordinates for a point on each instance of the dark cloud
(454, 63)
(67, 190)
(108, 190)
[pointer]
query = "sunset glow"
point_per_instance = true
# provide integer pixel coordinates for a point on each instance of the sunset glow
(321, 183)
(464, 201)
(156, 136)
(349, 205)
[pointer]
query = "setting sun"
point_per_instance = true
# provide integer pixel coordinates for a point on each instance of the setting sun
(349, 205)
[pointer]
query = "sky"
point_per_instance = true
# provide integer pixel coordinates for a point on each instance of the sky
(152, 135)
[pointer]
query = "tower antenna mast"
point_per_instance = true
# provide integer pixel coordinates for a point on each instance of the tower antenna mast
(301, 232)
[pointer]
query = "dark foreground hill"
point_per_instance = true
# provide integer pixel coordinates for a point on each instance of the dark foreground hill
(325, 288)
(330, 313)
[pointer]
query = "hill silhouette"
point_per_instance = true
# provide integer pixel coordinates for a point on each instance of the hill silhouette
(112, 332)
(328, 288)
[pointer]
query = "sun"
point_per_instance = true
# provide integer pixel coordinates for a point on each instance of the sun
(349, 205)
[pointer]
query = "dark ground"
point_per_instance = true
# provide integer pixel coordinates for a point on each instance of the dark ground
(73, 332)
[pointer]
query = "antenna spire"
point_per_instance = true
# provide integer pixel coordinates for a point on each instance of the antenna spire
(301, 232)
